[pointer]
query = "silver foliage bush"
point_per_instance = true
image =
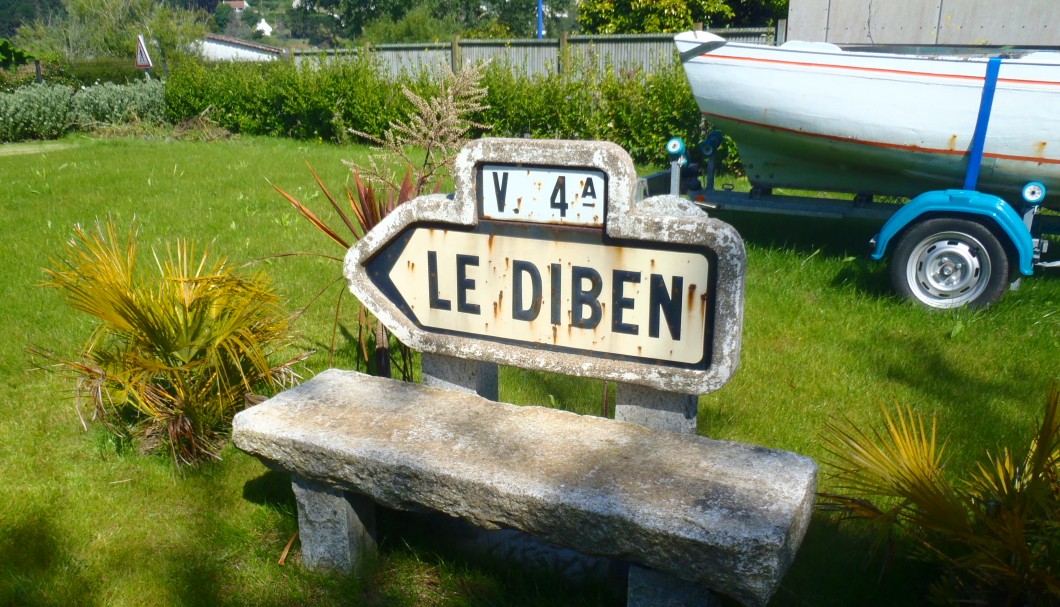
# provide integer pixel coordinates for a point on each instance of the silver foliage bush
(109, 103)
(49, 111)
(37, 111)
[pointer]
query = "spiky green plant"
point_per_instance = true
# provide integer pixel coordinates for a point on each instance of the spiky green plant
(437, 126)
(177, 352)
(995, 534)
(367, 208)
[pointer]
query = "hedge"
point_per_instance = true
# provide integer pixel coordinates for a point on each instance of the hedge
(279, 98)
(330, 99)
(333, 100)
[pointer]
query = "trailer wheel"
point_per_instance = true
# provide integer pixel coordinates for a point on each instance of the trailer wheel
(948, 263)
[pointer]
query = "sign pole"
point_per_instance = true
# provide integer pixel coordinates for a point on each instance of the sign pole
(540, 19)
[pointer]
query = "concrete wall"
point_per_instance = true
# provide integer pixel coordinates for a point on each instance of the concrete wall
(994, 22)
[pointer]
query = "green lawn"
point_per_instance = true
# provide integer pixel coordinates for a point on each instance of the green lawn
(86, 521)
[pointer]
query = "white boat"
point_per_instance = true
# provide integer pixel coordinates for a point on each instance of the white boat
(815, 117)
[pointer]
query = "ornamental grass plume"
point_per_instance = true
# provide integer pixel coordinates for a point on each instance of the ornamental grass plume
(178, 349)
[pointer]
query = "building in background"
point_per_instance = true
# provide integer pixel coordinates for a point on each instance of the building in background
(222, 48)
(912, 22)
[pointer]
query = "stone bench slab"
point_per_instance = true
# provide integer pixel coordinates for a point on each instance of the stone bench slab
(724, 515)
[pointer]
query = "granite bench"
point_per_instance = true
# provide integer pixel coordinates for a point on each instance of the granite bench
(723, 515)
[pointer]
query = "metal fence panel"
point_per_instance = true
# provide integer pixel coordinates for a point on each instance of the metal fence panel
(529, 56)
(413, 58)
(532, 56)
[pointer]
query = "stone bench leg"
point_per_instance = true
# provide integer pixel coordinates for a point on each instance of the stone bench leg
(440, 371)
(674, 412)
(337, 530)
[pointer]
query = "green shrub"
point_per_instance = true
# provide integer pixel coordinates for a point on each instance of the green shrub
(175, 353)
(110, 104)
(329, 99)
(316, 100)
(37, 111)
(636, 109)
(49, 111)
(237, 96)
(89, 72)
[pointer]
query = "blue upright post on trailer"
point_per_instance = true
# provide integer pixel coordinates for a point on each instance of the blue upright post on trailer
(975, 155)
(967, 201)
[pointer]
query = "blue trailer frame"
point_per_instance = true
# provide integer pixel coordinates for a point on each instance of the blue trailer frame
(1018, 229)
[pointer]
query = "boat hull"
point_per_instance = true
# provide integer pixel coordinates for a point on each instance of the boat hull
(814, 117)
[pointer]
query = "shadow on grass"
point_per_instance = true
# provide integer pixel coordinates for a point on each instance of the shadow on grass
(830, 238)
(445, 556)
(833, 237)
(958, 385)
(37, 568)
(272, 489)
(840, 565)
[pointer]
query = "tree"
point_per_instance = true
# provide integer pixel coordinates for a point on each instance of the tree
(381, 20)
(14, 13)
(520, 16)
(756, 13)
(353, 15)
(171, 29)
(646, 16)
(11, 55)
(88, 29)
(319, 28)
(222, 16)
(417, 25)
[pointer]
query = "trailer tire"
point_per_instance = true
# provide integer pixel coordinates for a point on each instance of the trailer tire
(947, 263)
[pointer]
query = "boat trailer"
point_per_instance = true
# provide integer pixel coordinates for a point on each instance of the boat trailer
(948, 248)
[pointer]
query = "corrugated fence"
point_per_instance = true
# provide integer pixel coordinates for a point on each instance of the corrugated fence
(617, 52)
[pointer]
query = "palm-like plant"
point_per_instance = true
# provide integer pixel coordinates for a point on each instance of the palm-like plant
(367, 209)
(438, 127)
(996, 534)
(176, 354)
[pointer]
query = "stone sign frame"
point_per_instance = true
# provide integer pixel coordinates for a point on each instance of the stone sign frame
(662, 219)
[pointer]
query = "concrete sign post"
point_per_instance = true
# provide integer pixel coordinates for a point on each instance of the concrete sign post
(544, 260)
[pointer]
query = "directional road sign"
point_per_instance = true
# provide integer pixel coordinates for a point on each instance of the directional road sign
(543, 259)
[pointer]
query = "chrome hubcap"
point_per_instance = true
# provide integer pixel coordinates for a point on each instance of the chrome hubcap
(948, 270)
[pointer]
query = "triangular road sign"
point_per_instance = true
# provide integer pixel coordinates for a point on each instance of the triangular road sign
(143, 60)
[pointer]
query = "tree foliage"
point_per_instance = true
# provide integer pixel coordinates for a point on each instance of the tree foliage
(648, 16)
(222, 16)
(11, 55)
(644, 16)
(87, 29)
(429, 19)
(417, 25)
(14, 13)
(756, 13)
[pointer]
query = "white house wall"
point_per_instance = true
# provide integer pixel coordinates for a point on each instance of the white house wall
(217, 51)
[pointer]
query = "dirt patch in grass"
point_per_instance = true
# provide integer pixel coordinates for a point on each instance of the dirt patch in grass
(18, 149)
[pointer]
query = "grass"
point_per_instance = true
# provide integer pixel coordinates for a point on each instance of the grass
(84, 520)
